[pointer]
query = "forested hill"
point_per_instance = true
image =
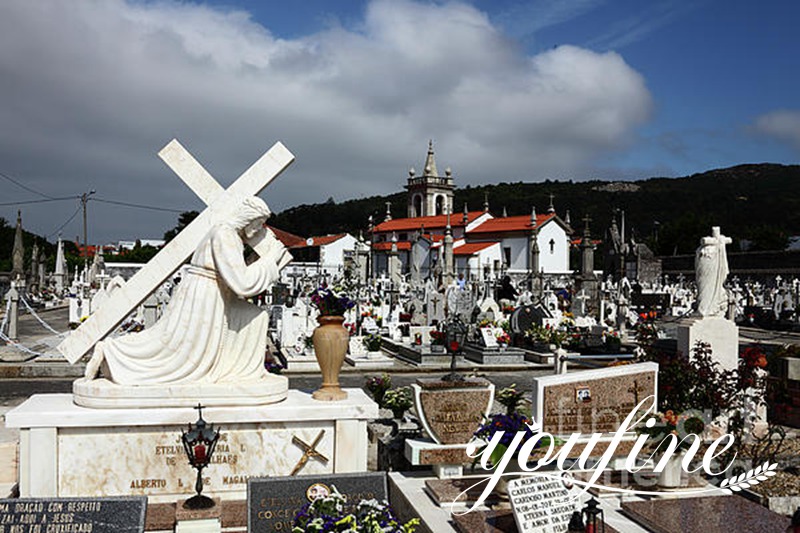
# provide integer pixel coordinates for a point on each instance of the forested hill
(758, 202)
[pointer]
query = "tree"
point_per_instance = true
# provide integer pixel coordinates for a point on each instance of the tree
(184, 219)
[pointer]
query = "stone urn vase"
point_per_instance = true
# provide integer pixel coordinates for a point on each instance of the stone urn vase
(671, 476)
(331, 340)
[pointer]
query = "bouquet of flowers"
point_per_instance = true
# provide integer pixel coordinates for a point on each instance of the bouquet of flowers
(330, 303)
(378, 385)
(509, 425)
(372, 342)
(437, 338)
(503, 337)
(510, 397)
(398, 400)
(671, 423)
(330, 514)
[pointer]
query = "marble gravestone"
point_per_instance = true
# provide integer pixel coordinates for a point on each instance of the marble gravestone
(542, 504)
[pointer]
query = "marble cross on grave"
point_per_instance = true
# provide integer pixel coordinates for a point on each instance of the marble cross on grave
(220, 204)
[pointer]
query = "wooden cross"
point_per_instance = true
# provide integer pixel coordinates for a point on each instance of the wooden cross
(308, 452)
(221, 205)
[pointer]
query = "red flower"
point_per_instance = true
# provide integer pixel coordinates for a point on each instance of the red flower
(454, 346)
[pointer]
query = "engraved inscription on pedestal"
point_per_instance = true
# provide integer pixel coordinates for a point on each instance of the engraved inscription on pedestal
(153, 462)
(451, 413)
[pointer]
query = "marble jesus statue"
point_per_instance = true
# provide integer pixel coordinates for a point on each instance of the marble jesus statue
(210, 342)
(711, 269)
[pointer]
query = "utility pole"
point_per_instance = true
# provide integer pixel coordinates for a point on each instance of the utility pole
(84, 200)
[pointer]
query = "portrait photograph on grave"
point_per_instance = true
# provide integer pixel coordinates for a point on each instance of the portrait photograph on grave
(399, 266)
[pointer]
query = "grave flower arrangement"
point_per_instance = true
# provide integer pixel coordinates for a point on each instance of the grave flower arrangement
(378, 385)
(503, 338)
(330, 303)
(398, 400)
(437, 337)
(372, 314)
(509, 425)
(372, 342)
(510, 397)
(330, 514)
(672, 423)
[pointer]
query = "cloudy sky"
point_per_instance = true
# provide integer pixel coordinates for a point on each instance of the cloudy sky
(508, 90)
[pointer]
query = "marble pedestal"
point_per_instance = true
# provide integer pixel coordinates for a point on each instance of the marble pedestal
(69, 450)
(721, 333)
(447, 460)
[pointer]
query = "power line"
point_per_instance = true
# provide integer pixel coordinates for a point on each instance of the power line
(15, 182)
(139, 206)
(26, 202)
(65, 223)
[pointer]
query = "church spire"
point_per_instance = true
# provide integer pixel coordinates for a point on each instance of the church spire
(430, 162)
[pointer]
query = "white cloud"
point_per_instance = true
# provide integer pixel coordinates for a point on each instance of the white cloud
(92, 90)
(783, 125)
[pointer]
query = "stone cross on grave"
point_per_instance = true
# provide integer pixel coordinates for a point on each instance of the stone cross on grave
(221, 203)
(636, 389)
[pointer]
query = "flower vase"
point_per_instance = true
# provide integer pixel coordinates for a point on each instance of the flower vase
(331, 340)
(512, 471)
(670, 477)
(398, 413)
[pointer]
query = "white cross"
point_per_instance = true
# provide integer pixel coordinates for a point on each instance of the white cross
(221, 204)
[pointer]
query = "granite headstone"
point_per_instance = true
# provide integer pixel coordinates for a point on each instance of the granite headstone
(95, 515)
(272, 503)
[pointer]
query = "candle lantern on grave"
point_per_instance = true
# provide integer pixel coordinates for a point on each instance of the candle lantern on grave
(199, 443)
(455, 334)
(593, 517)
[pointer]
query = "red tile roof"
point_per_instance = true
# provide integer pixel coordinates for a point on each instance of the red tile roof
(471, 248)
(387, 246)
(326, 239)
(508, 224)
(290, 240)
(439, 221)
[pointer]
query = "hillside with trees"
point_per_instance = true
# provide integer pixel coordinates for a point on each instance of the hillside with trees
(759, 203)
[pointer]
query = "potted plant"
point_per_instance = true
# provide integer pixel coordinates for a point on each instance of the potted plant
(398, 400)
(377, 387)
(503, 338)
(509, 425)
(372, 342)
(331, 513)
(331, 340)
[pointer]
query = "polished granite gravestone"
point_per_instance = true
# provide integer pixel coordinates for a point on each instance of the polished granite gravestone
(272, 503)
(95, 515)
(711, 514)
(591, 401)
(497, 355)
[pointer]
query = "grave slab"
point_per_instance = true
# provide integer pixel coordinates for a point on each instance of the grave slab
(712, 514)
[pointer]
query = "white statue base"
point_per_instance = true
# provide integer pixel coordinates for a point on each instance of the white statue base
(69, 450)
(721, 333)
(103, 394)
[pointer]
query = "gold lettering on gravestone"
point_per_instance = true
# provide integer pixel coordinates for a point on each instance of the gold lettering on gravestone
(453, 419)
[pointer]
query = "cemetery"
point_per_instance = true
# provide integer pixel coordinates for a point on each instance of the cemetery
(448, 372)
